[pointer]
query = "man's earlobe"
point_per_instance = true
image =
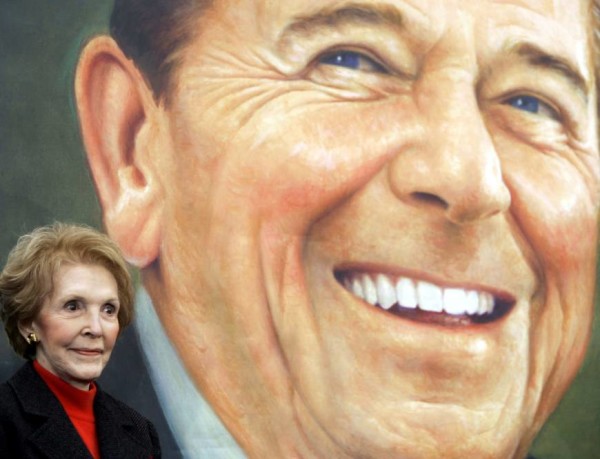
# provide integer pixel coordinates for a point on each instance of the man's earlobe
(116, 107)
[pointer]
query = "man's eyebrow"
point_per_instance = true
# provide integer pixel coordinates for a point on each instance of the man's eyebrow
(345, 14)
(537, 57)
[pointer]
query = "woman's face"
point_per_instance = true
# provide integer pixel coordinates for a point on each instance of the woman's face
(77, 326)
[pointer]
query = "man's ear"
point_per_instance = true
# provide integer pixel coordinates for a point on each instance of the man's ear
(116, 112)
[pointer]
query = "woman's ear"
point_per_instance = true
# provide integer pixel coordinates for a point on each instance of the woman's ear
(116, 109)
(25, 328)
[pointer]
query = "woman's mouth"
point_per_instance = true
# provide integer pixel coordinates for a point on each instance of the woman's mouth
(88, 352)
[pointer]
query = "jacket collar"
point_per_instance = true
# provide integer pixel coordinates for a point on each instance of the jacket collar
(54, 434)
(119, 435)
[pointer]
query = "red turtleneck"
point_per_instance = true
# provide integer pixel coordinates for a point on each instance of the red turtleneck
(78, 404)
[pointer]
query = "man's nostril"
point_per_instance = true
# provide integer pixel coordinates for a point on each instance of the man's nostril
(430, 198)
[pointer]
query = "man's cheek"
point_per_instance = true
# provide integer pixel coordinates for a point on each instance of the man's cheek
(555, 213)
(309, 166)
(301, 181)
(557, 217)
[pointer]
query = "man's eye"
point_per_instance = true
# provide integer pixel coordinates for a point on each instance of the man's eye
(533, 105)
(351, 60)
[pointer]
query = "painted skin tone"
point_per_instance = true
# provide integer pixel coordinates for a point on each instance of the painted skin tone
(77, 325)
(306, 146)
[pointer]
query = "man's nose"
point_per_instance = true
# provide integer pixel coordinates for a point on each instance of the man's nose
(454, 168)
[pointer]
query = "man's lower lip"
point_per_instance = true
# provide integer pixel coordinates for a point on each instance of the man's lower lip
(445, 319)
(423, 301)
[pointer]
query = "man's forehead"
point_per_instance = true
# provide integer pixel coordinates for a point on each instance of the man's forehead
(267, 9)
(499, 26)
(548, 6)
(270, 19)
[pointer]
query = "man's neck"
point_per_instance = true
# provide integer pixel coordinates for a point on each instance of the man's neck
(195, 426)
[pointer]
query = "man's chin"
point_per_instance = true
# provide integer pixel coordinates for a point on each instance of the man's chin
(426, 430)
(383, 385)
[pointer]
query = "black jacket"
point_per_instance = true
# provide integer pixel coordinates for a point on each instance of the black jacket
(33, 424)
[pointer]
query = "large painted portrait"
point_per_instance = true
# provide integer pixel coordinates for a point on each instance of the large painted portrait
(359, 228)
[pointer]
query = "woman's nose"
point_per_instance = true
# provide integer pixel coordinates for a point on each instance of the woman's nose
(454, 169)
(93, 324)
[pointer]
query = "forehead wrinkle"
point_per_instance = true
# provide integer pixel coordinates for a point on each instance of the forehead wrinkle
(528, 4)
(352, 13)
(537, 57)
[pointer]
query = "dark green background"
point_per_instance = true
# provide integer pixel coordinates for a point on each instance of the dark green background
(43, 174)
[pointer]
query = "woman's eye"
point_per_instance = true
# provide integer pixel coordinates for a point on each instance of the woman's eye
(351, 60)
(71, 306)
(110, 309)
(533, 105)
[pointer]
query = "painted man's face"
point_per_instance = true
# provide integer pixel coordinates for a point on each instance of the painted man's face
(379, 221)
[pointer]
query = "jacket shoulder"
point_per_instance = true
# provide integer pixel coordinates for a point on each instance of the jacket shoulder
(9, 405)
(8, 427)
(20, 416)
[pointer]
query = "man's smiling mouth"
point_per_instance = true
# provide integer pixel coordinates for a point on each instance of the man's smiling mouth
(424, 301)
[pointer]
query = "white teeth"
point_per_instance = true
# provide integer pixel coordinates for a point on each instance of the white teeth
(472, 302)
(369, 289)
(486, 304)
(490, 303)
(386, 294)
(410, 294)
(455, 301)
(406, 292)
(357, 288)
(430, 297)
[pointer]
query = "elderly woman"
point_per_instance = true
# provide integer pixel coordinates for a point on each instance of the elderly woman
(65, 294)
